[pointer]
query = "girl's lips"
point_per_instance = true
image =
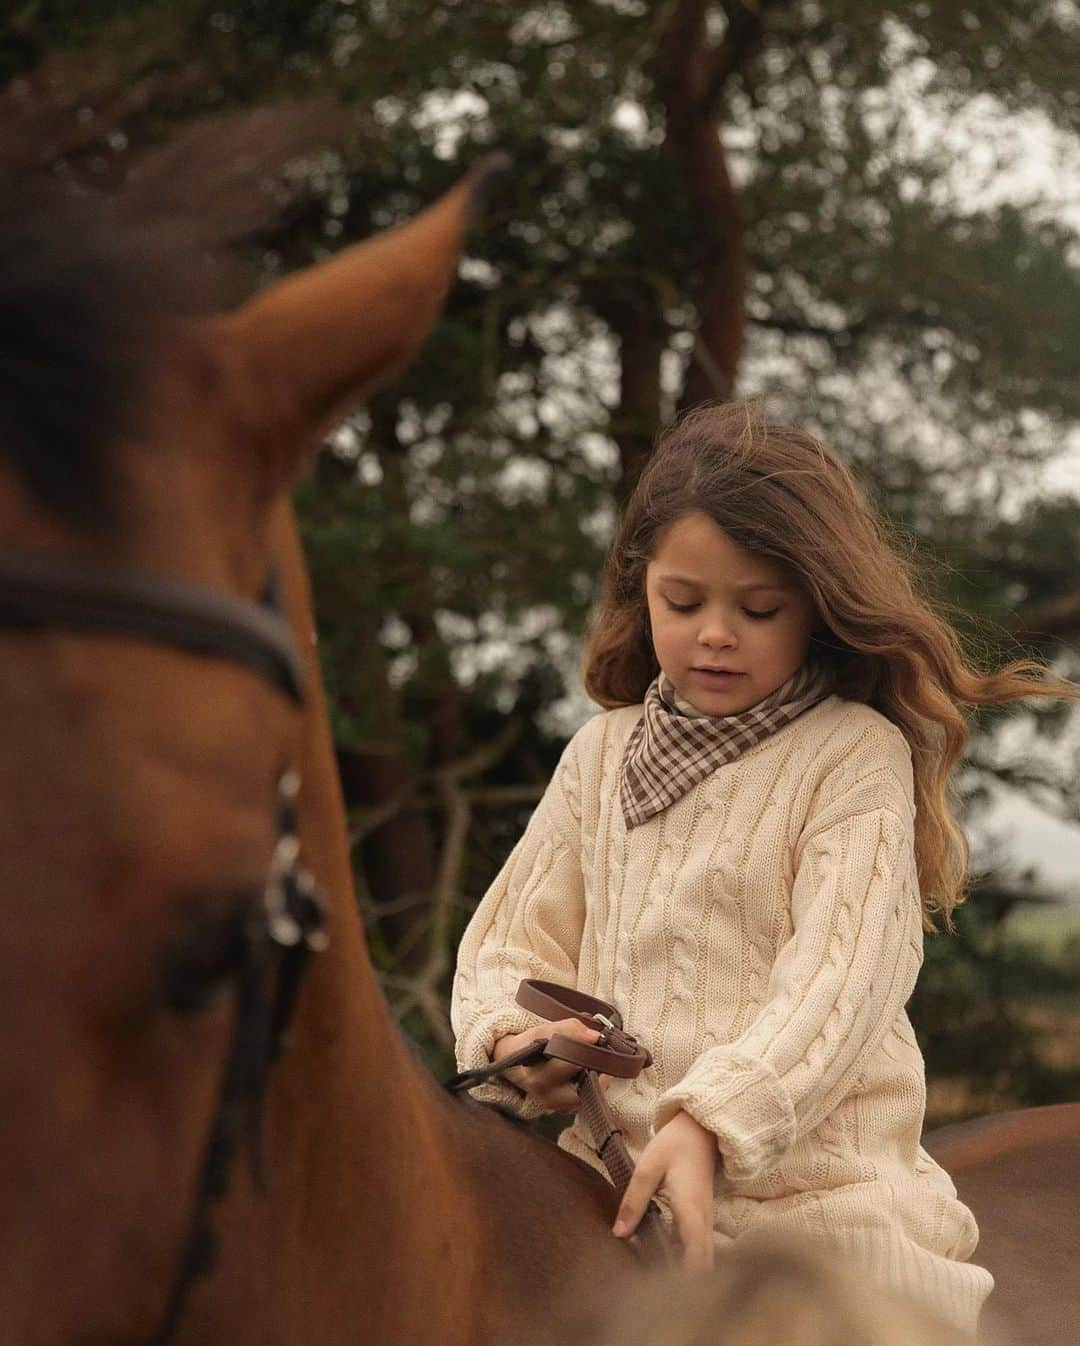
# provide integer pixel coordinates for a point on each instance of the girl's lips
(713, 675)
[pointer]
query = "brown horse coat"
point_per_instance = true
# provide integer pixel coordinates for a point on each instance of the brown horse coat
(1020, 1174)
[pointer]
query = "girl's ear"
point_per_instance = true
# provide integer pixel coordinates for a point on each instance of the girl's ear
(298, 354)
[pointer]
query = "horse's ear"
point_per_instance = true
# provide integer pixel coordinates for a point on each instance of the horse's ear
(304, 350)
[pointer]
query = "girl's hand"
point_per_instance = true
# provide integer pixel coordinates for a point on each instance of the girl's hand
(681, 1158)
(548, 1082)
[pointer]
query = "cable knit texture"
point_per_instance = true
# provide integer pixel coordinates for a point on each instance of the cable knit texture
(761, 936)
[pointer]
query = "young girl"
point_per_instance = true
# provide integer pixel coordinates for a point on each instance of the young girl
(734, 854)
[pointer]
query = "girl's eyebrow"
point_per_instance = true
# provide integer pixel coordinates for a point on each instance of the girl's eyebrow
(739, 588)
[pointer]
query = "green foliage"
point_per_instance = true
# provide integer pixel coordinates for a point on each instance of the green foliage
(927, 329)
(973, 1010)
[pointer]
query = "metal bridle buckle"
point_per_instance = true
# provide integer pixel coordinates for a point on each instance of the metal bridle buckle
(295, 909)
(609, 1028)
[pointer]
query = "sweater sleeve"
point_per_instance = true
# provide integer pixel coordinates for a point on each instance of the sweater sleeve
(836, 987)
(528, 924)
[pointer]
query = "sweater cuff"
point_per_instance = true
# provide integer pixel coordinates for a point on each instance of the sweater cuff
(474, 1047)
(743, 1104)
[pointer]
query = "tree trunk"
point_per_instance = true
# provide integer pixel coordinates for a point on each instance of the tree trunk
(691, 76)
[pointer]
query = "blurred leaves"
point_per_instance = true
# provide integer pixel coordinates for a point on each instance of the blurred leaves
(898, 301)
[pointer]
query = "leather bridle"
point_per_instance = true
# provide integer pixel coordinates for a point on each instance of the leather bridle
(35, 592)
(290, 921)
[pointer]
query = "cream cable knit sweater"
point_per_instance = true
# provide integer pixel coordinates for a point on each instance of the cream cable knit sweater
(761, 936)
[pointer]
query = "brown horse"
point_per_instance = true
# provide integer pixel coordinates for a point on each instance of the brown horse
(139, 784)
(138, 779)
(1020, 1174)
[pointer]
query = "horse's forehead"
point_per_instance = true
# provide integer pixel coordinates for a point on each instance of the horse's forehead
(193, 497)
(148, 747)
(140, 749)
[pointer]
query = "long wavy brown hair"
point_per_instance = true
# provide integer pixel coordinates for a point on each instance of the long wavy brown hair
(779, 491)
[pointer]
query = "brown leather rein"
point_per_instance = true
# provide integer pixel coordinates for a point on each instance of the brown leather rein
(616, 1052)
(290, 922)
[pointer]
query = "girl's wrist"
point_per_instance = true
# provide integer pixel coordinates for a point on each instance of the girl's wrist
(688, 1118)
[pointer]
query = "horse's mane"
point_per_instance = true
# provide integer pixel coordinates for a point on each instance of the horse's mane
(78, 311)
(90, 283)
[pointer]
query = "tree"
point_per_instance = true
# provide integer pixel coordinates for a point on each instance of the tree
(706, 198)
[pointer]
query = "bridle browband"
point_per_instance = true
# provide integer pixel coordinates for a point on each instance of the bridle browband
(290, 922)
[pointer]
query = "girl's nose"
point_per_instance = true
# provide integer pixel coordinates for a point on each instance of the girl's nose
(717, 635)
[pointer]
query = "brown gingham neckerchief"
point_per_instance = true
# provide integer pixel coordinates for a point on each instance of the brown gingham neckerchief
(675, 745)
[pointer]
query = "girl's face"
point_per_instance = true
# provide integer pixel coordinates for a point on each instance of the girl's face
(714, 605)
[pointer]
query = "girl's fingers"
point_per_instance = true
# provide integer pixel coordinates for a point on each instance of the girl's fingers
(553, 1071)
(551, 1075)
(695, 1235)
(554, 1094)
(635, 1200)
(560, 1071)
(550, 1082)
(572, 1028)
(691, 1208)
(561, 1100)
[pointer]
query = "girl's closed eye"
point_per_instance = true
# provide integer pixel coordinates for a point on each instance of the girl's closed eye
(753, 613)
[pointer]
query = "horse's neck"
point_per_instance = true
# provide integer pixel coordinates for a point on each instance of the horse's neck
(370, 1188)
(368, 1177)
(396, 1215)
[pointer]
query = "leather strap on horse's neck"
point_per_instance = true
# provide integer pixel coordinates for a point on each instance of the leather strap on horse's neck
(615, 1053)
